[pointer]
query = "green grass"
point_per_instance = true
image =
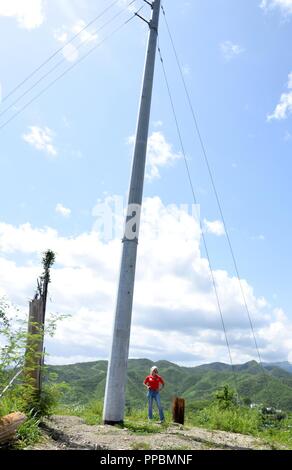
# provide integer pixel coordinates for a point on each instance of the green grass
(143, 427)
(6, 407)
(21, 399)
(216, 415)
(91, 413)
(15, 400)
(243, 420)
(176, 448)
(281, 435)
(140, 446)
(235, 419)
(28, 434)
(136, 420)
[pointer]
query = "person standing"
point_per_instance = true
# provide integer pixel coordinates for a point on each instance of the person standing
(154, 383)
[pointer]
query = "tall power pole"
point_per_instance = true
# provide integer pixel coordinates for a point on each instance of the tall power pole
(114, 402)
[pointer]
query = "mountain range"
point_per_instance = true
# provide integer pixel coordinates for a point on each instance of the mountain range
(270, 384)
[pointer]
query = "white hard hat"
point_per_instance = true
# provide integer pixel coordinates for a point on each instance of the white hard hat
(153, 368)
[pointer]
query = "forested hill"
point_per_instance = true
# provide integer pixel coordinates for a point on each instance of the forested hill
(195, 384)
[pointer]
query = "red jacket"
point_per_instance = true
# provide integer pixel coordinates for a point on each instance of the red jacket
(154, 381)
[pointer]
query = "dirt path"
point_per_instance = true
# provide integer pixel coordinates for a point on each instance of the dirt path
(70, 432)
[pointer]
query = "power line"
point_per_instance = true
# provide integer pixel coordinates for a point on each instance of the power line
(60, 49)
(65, 72)
(203, 147)
(200, 222)
(43, 77)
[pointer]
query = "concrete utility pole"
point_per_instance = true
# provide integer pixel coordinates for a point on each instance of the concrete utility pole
(114, 402)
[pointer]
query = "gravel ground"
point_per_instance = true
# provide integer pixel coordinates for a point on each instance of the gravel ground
(70, 432)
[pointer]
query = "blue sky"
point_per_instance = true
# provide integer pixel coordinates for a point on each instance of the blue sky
(70, 149)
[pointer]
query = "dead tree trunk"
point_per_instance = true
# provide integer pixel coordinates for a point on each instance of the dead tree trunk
(178, 410)
(34, 356)
(35, 343)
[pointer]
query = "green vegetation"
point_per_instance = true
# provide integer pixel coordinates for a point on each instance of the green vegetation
(210, 401)
(28, 433)
(140, 446)
(20, 398)
(222, 412)
(234, 419)
(91, 412)
(196, 384)
(21, 395)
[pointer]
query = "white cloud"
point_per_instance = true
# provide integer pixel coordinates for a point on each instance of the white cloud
(157, 124)
(70, 52)
(260, 237)
(284, 107)
(63, 35)
(29, 13)
(62, 210)
(186, 69)
(130, 7)
(215, 227)
(230, 50)
(159, 154)
(284, 5)
(41, 138)
(84, 34)
(175, 315)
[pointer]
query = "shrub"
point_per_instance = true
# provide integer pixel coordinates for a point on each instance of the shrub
(28, 433)
(233, 419)
(225, 397)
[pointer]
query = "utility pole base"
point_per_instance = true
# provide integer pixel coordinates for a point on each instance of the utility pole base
(113, 423)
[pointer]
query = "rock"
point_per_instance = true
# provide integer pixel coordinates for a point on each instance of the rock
(9, 425)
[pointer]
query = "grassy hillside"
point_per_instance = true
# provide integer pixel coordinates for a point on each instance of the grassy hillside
(195, 384)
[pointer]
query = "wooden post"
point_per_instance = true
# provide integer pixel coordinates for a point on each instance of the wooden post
(35, 342)
(34, 356)
(178, 410)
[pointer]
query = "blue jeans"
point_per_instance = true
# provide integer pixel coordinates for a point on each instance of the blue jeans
(154, 395)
